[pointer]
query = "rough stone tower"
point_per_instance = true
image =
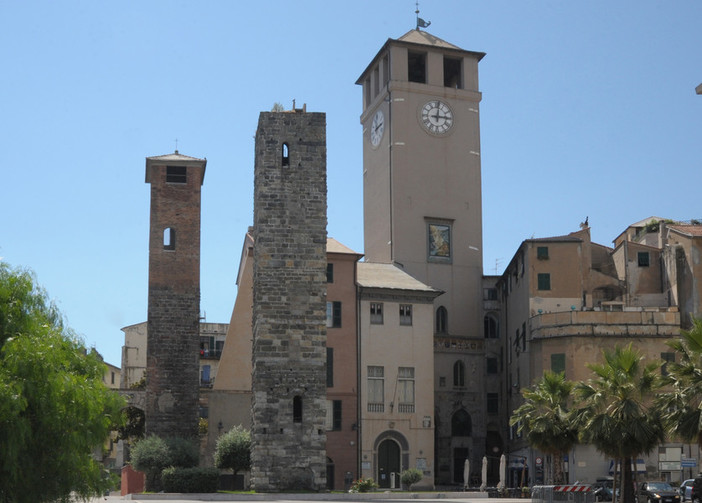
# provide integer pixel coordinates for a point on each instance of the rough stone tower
(174, 295)
(289, 307)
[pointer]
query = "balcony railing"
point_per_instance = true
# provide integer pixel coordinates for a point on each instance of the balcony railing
(405, 407)
(212, 354)
(376, 407)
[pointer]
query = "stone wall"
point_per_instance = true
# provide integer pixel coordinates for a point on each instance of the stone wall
(289, 307)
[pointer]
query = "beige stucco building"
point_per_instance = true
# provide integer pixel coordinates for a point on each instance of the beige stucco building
(397, 392)
(566, 299)
(423, 213)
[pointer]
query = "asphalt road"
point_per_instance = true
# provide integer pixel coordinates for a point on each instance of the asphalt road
(283, 498)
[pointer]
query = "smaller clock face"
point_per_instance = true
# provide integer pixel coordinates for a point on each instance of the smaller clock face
(377, 128)
(436, 117)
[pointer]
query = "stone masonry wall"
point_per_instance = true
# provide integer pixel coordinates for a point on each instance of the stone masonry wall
(289, 308)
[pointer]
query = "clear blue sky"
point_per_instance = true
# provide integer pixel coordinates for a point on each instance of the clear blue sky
(588, 109)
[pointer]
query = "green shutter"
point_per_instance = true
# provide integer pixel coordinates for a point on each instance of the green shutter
(558, 363)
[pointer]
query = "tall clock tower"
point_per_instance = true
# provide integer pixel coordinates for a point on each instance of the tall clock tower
(422, 212)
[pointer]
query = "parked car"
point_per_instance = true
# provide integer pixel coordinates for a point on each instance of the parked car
(602, 488)
(696, 492)
(686, 489)
(657, 492)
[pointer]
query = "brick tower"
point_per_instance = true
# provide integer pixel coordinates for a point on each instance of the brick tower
(174, 295)
(289, 307)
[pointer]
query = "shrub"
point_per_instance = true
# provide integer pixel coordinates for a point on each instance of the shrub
(190, 480)
(411, 476)
(150, 455)
(363, 485)
(182, 452)
(233, 450)
(202, 427)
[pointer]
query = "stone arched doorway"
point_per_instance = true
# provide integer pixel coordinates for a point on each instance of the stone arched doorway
(389, 463)
(391, 457)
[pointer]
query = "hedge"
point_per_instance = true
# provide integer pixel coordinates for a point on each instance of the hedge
(190, 480)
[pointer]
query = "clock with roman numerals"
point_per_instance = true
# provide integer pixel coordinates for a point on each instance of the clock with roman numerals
(436, 117)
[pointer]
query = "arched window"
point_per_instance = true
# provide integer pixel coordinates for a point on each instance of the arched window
(461, 424)
(169, 236)
(459, 374)
(286, 155)
(297, 409)
(491, 329)
(441, 320)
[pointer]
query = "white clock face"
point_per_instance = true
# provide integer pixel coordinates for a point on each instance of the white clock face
(377, 128)
(437, 117)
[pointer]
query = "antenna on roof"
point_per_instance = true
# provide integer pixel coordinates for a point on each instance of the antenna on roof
(421, 23)
(176, 150)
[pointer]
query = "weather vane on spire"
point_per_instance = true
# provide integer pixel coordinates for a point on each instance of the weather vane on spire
(421, 23)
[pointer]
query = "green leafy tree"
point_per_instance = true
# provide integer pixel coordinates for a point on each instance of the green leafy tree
(617, 414)
(150, 455)
(681, 403)
(133, 424)
(55, 411)
(153, 454)
(182, 452)
(411, 476)
(546, 420)
(233, 450)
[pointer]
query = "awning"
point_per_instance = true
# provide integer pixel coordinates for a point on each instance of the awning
(640, 466)
(518, 464)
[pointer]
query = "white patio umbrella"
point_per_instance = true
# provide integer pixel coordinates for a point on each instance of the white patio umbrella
(483, 485)
(466, 474)
(503, 466)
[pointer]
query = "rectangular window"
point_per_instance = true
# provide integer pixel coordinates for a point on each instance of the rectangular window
(644, 259)
(491, 365)
(417, 67)
(544, 281)
(385, 65)
(490, 294)
(376, 388)
(330, 367)
(439, 242)
(558, 363)
(334, 314)
(176, 174)
(405, 389)
(333, 419)
(492, 403)
(376, 82)
(376, 313)
(405, 314)
(205, 375)
(330, 273)
(452, 73)
(667, 358)
(442, 382)
(542, 252)
(367, 91)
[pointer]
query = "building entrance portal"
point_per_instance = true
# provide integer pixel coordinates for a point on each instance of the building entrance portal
(389, 464)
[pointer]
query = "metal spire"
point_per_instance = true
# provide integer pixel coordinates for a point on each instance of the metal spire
(421, 23)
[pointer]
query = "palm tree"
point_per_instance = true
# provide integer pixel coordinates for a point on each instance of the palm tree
(617, 413)
(681, 404)
(545, 418)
